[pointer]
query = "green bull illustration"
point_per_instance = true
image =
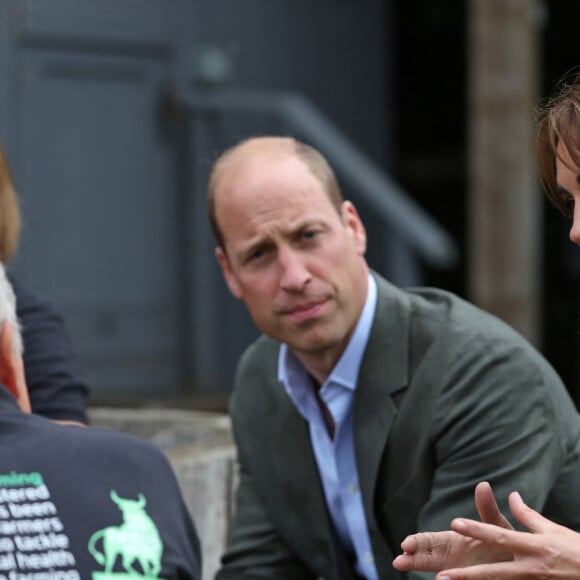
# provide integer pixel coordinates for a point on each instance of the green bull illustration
(135, 540)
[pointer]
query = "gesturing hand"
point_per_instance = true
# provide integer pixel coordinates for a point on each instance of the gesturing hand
(551, 551)
(436, 551)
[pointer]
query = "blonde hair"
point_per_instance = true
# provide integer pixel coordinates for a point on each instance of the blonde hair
(8, 310)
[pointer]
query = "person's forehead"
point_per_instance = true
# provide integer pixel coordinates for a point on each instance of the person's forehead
(259, 151)
(268, 191)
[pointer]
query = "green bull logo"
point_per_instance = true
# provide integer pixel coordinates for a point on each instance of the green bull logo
(136, 542)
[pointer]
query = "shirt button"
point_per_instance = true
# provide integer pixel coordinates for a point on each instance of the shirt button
(352, 488)
(368, 557)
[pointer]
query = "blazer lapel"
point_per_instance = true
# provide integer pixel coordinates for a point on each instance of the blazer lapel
(384, 371)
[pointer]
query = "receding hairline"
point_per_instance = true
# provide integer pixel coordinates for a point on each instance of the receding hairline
(266, 147)
(274, 148)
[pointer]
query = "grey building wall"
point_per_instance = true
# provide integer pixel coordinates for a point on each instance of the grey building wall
(104, 183)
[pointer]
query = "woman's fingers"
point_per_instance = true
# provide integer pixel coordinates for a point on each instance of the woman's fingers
(487, 507)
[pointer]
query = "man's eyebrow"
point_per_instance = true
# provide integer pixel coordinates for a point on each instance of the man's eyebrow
(252, 246)
(308, 223)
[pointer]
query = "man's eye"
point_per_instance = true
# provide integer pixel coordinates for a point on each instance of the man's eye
(256, 255)
(309, 234)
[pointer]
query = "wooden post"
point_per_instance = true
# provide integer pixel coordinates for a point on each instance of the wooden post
(504, 200)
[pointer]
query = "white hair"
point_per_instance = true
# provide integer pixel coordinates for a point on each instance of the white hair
(8, 310)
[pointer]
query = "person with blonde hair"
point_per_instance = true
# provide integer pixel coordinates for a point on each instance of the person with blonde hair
(55, 386)
(492, 548)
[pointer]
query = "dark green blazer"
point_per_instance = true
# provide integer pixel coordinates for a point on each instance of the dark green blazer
(447, 396)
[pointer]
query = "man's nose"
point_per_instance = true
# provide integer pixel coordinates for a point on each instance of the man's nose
(294, 273)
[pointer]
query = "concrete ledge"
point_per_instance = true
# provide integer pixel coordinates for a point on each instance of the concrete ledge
(167, 428)
(201, 450)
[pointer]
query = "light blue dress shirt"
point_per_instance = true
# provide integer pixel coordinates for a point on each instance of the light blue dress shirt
(335, 458)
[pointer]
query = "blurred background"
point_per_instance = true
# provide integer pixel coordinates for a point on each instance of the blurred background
(112, 111)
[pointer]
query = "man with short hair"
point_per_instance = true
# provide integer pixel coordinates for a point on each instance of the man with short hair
(80, 502)
(365, 412)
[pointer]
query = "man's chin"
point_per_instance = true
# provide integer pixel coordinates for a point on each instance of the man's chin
(312, 344)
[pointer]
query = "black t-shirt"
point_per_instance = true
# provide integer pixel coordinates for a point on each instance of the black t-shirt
(82, 502)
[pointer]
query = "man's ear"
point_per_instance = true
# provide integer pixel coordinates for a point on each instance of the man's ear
(355, 226)
(229, 276)
(12, 368)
